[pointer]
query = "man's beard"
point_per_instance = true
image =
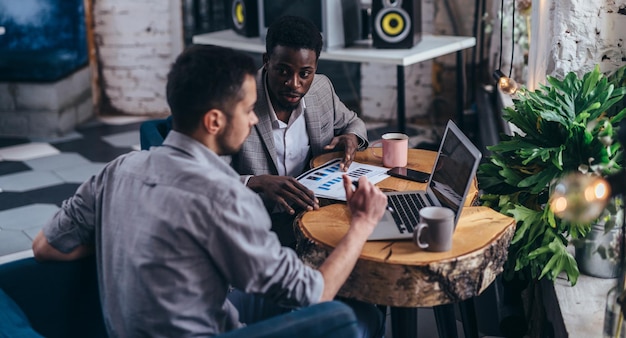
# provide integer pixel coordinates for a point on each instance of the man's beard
(227, 149)
(287, 106)
(279, 104)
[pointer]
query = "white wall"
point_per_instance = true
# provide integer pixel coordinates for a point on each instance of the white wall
(586, 33)
(578, 35)
(136, 42)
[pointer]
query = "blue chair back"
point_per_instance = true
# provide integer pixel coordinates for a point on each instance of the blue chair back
(60, 299)
(153, 132)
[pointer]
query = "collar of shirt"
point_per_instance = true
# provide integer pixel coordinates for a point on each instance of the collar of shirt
(291, 140)
(191, 147)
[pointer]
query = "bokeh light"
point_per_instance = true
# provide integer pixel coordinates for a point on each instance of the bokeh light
(580, 197)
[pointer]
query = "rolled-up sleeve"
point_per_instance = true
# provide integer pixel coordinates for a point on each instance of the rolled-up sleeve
(74, 223)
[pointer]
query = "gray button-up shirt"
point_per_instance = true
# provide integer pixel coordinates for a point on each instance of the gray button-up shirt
(173, 228)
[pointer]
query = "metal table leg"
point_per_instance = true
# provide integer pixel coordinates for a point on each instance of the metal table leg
(446, 321)
(460, 90)
(401, 99)
(403, 322)
(460, 94)
(468, 316)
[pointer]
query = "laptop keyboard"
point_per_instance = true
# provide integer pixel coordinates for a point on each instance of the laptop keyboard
(406, 210)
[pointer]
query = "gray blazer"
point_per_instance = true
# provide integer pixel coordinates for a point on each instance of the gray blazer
(325, 115)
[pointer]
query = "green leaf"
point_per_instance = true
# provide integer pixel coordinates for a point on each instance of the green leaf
(590, 80)
(555, 117)
(525, 217)
(560, 260)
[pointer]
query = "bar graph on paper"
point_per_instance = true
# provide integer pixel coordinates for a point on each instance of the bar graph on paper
(325, 181)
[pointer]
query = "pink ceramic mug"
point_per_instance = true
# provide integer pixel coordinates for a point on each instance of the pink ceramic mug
(395, 149)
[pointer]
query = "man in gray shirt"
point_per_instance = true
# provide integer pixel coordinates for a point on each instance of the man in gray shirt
(173, 229)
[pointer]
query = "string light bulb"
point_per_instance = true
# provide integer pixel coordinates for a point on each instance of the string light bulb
(579, 197)
(507, 85)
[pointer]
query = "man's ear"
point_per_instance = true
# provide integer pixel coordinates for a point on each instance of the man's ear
(213, 121)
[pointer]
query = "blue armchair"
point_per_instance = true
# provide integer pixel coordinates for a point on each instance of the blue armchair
(153, 132)
(61, 299)
(57, 299)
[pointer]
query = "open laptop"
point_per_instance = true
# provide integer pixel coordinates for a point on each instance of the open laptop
(449, 183)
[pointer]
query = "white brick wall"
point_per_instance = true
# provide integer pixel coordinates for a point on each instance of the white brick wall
(576, 35)
(137, 41)
(586, 33)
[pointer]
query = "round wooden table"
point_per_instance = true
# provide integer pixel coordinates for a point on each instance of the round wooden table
(400, 274)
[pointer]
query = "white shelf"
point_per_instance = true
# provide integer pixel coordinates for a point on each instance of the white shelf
(228, 38)
(431, 46)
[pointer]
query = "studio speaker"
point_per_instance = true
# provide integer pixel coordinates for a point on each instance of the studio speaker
(396, 23)
(245, 17)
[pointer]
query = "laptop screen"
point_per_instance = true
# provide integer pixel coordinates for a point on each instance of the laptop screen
(453, 170)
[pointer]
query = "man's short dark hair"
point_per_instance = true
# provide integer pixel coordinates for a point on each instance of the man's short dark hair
(205, 77)
(294, 32)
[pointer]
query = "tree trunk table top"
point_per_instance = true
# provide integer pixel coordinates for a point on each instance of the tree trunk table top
(398, 273)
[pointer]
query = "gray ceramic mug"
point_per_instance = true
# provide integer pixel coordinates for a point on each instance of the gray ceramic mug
(435, 228)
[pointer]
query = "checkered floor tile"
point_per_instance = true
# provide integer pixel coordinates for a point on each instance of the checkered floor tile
(37, 175)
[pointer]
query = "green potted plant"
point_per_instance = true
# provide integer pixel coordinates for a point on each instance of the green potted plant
(568, 125)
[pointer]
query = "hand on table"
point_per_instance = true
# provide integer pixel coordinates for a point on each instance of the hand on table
(349, 143)
(285, 191)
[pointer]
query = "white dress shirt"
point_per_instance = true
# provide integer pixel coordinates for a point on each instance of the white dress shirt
(291, 141)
